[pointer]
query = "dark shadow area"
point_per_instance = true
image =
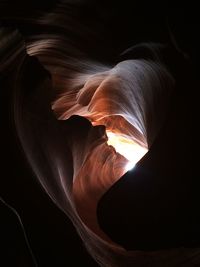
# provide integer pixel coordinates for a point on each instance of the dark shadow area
(156, 205)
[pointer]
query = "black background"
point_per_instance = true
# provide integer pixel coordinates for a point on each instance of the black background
(51, 235)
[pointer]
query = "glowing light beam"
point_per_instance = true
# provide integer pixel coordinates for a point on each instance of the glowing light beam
(132, 151)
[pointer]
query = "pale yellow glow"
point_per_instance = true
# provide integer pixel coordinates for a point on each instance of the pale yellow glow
(132, 151)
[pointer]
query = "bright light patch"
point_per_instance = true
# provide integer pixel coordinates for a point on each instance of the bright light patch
(132, 151)
(129, 166)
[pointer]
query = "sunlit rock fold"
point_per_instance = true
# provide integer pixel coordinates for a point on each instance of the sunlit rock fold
(83, 124)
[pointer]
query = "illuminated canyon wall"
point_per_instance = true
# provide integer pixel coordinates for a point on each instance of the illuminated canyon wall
(83, 122)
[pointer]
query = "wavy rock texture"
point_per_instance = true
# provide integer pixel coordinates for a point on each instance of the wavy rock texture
(69, 154)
